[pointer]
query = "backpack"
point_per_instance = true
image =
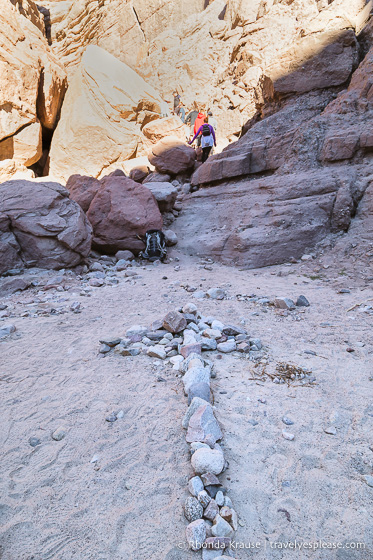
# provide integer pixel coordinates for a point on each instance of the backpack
(155, 245)
(206, 130)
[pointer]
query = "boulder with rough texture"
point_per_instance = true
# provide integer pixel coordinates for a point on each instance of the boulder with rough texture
(171, 155)
(40, 226)
(267, 221)
(165, 194)
(120, 211)
(103, 110)
(169, 126)
(83, 190)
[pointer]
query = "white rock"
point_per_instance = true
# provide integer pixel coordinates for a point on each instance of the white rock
(208, 460)
(227, 347)
(195, 486)
(136, 329)
(156, 352)
(287, 435)
(190, 308)
(196, 534)
(217, 325)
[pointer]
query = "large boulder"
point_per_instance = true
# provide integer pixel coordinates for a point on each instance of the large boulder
(83, 189)
(262, 222)
(169, 126)
(32, 84)
(120, 212)
(101, 118)
(40, 226)
(171, 155)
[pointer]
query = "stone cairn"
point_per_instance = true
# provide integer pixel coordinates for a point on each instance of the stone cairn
(181, 337)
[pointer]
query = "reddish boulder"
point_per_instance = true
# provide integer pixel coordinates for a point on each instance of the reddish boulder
(82, 189)
(171, 155)
(40, 226)
(120, 211)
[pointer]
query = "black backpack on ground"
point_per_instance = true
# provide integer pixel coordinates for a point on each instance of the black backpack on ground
(155, 245)
(206, 130)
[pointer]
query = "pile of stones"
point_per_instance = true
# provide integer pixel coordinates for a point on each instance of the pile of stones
(181, 337)
(181, 333)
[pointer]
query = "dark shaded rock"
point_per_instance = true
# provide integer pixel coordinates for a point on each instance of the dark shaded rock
(40, 226)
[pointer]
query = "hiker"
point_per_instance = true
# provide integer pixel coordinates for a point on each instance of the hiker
(207, 134)
(191, 119)
(176, 101)
(197, 124)
(181, 111)
(212, 120)
(164, 109)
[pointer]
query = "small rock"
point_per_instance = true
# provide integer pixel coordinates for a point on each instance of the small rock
(171, 237)
(195, 486)
(111, 417)
(124, 255)
(288, 421)
(218, 325)
(369, 480)
(34, 441)
(174, 322)
(104, 349)
(203, 424)
(228, 502)
(216, 293)
(203, 498)
(192, 509)
(6, 330)
(195, 404)
(287, 435)
(201, 390)
(188, 349)
(137, 330)
(199, 294)
(331, 430)
(208, 460)
(208, 344)
(196, 375)
(94, 459)
(110, 341)
(227, 347)
(209, 478)
(190, 308)
(123, 351)
(196, 534)
(212, 510)
(157, 352)
(121, 265)
(226, 513)
(58, 434)
(221, 528)
(219, 498)
(284, 303)
(96, 282)
(302, 301)
(233, 330)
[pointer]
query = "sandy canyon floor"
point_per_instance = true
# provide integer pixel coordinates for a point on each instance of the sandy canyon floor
(128, 503)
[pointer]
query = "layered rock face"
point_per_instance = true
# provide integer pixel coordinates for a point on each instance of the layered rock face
(105, 106)
(40, 226)
(32, 86)
(317, 147)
